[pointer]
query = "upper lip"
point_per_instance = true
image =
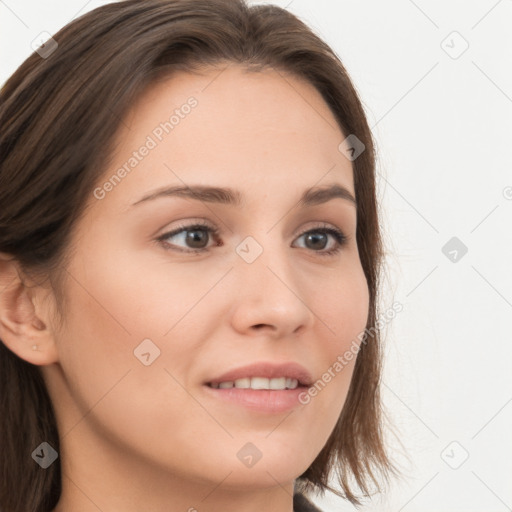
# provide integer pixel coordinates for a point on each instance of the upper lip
(268, 370)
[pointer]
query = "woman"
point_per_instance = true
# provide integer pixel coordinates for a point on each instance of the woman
(172, 338)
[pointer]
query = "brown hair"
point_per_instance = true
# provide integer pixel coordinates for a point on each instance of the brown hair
(58, 115)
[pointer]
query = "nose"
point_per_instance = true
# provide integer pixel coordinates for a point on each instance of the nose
(271, 296)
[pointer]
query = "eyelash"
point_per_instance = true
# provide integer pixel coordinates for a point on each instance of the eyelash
(339, 236)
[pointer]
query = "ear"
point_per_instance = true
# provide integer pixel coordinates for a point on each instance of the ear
(25, 327)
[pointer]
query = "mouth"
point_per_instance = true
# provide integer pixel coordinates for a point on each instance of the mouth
(259, 383)
(264, 388)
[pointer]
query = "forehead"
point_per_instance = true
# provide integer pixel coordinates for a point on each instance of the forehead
(229, 125)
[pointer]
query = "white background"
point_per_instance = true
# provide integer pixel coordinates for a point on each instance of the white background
(443, 126)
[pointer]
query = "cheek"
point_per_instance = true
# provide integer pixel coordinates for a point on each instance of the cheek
(129, 296)
(345, 303)
(122, 307)
(114, 392)
(345, 307)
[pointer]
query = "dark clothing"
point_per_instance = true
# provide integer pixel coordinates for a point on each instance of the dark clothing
(302, 504)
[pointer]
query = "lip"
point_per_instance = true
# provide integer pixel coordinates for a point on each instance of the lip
(267, 401)
(262, 401)
(268, 370)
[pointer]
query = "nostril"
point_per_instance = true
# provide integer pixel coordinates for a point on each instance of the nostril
(260, 326)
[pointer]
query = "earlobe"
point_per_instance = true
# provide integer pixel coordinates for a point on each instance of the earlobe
(22, 331)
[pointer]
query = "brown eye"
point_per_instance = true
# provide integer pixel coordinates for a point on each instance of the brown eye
(194, 237)
(317, 239)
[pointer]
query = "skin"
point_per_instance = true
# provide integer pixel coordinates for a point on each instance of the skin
(136, 437)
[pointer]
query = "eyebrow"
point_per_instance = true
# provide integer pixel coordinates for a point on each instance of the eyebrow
(228, 196)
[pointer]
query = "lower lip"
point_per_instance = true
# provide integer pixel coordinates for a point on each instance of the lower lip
(260, 400)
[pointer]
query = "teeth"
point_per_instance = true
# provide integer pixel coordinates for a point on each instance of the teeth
(292, 383)
(278, 383)
(242, 383)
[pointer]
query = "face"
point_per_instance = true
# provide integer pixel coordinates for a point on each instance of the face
(152, 318)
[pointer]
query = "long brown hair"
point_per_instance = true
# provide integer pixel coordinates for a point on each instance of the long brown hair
(58, 115)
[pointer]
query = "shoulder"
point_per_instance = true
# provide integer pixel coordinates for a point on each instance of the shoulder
(302, 504)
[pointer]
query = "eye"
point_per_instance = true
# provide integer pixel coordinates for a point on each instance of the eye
(319, 237)
(195, 234)
(195, 237)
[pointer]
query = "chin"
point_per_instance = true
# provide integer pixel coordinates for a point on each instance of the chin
(279, 469)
